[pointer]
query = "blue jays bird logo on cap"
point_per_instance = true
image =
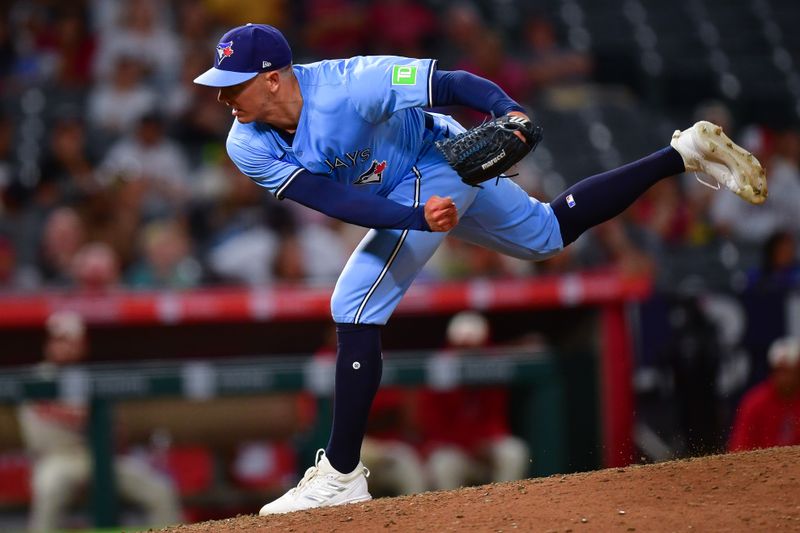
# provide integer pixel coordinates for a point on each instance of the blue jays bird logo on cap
(224, 50)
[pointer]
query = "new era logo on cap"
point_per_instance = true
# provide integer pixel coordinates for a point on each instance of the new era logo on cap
(244, 52)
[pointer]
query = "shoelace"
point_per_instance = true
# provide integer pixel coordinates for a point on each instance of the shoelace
(710, 186)
(311, 471)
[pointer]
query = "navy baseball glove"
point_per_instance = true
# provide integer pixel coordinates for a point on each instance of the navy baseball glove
(488, 150)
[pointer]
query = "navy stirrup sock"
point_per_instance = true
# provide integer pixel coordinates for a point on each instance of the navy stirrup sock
(358, 375)
(601, 197)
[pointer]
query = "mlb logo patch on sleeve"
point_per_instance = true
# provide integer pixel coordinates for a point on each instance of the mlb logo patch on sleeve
(404, 75)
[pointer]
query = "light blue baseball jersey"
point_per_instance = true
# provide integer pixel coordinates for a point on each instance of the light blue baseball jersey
(360, 124)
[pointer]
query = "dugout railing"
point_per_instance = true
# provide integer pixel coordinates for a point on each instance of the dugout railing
(537, 382)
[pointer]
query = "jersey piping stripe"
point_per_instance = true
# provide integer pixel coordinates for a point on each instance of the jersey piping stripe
(279, 192)
(430, 82)
(396, 250)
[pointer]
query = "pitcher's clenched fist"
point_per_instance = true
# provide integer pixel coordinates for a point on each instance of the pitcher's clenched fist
(441, 213)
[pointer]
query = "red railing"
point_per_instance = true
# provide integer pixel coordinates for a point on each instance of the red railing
(300, 303)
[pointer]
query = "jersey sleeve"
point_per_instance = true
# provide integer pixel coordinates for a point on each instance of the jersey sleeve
(256, 161)
(381, 85)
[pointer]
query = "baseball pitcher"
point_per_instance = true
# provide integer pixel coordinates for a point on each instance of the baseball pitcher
(351, 138)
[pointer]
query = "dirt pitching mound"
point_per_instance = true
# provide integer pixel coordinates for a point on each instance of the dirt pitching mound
(752, 491)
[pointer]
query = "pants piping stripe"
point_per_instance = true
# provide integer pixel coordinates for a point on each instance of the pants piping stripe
(395, 251)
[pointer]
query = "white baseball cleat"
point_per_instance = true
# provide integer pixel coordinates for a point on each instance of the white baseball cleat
(322, 486)
(705, 148)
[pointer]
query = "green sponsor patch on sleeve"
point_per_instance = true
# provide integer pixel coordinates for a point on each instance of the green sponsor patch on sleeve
(404, 75)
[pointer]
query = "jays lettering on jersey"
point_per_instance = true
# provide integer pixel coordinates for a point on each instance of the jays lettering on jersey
(360, 124)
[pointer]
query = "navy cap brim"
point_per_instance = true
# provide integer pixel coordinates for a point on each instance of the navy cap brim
(215, 77)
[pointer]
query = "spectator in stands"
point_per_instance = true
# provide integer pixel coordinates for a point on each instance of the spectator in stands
(283, 242)
(31, 64)
(68, 165)
(465, 431)
(195, 117)
(548, 63)
(663, 213)
(152, 164)
(289, 264)
(488, 58)
(112, 215)
(193, 114)
(195, 26)
(463, 27)
(117, 104)
(769, 414)
(309, 253)
(167, 260)
(245, 254)
(70, 47)
(244, 223)
(95, 268)
(320, 245)
(780, 266)
(64, 234)
(242, 245)
(142, 31)
(220, 191)
(324, 249)
(55, 436)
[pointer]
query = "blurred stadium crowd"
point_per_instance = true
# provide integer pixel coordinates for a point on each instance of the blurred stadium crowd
(113, 170)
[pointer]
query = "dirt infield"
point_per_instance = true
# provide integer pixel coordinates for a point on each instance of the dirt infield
(753, 491)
